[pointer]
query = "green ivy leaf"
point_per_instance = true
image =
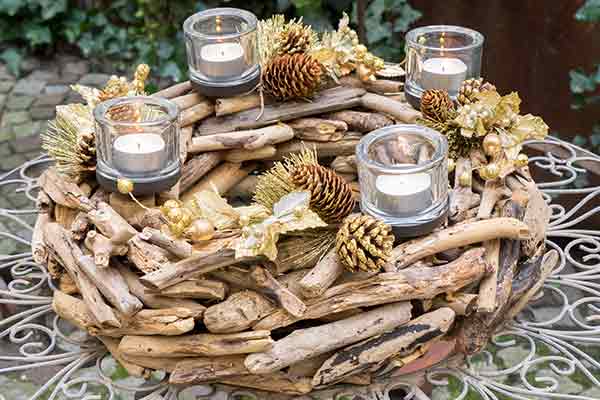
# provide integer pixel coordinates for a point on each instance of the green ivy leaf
(11, 7)
(37, 34)
(12, 57)
(589, 11)
(50, 8)
(580, 82)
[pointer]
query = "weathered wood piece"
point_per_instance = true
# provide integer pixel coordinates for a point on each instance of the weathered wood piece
(61, 244)
(176, 90)
(230, 105)
(188, 100)
(338, 98)
(344, 164)
(103, 248)
(196, 289)
(146, 256)
(196, 113)
(360, 121)
(318, 129)
(400, 111)
(65, 216)
(62, 191)
(130, 210)
(43, 203)
(303, 344)
(82, 224)
(249, 139)
(461, 197)
(208, 369)
(111, 284)
(493, 192)
(403, 340)
(408, 284)
(486, 302)
(190, 267)
(39, 251)
(322, 275)
(222, 178)
(196, 168)
(111, 224)
(239, 312)
(537, 217)
(203, 344)
(156, 301)
(177, 247)
(276, 292)
(277, 382)
(241, 155)
(460, 303)
(456, 236)
(112, 345)
(344, 147)
(379, 86)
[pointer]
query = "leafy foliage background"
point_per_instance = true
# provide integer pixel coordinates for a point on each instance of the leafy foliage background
(128, 32)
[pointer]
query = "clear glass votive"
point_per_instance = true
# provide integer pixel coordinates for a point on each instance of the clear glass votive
(403, 176)
(137, 139)
(222, 51)
(441, 57)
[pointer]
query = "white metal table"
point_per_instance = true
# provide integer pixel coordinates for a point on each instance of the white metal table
(551, 350)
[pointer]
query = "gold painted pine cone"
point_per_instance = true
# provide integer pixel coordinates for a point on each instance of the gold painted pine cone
(436, 105)
(292, 75)
(364, 243)
(330, 195)
(470, 88)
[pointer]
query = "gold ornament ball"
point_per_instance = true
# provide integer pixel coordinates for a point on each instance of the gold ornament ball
(451, 164)
(492, 144)
(522, 160)
(244, 220)
(464, 179)
(201, 229)
(174, 215)
(124, 186)
(171, 204)
(490, 171)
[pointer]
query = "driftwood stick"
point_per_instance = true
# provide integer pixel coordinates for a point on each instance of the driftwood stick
(239, 312)
(460, 303)
(195, 113)
(112, 346)
(175, 90)
(223, 178)
(60, 242)
(204, 344)
(486, 302)
(318, 129)
(111, 284)
(43, 202)
(103, 248)
(492, 193)
(241, 155)
(196, 168)
(462, 198)
(249, 140)
(111, 224)
(456, 236)
(403, 340)
(185, 138)
(338, 98)
(344, 164)
(379, 86)
(322, 275)
(208, 369)
(156, 363)
(537, 217)
(62, 191)
(303, 344)
(400, 111)
(278, 382)
(361, 121)
(177, 247)
(65, 216)
(408, 284)
(81, 224)
(230, 105)
(196, 289)
(146, 256)
(38, 246)
(276, 292)
(188, 100)
(344, 147)
(190, 267)
(156, 301)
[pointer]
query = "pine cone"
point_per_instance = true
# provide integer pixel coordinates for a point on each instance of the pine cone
(330, 195)
(364, 243)
(289, 76)
(86, 151)
(470, 88)
(436, 105)
(296, 38)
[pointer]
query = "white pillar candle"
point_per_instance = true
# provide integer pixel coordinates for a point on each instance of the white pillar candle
(139, 153)
(403, 195)
(222, 60)
(443, 73)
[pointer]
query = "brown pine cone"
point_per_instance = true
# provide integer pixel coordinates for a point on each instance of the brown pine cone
(364, 243)
(330, 195)
(289, 76)
(470, 88)
(296, 38)
(436, 105)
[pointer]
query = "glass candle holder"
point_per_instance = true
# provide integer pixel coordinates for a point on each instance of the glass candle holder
(441, 57)
(222, 51)
(137, 140)
(403, 176)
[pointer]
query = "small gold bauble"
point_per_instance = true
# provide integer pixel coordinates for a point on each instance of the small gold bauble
(186, 218)
(464, 179)
(298, 212)
(451, 164)
(177, 229)
(174, 214)
(124, 186)
(200, 229)
(490, 171)
(492, 144)
(522, 160)
(171, 204)
(244, 220)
